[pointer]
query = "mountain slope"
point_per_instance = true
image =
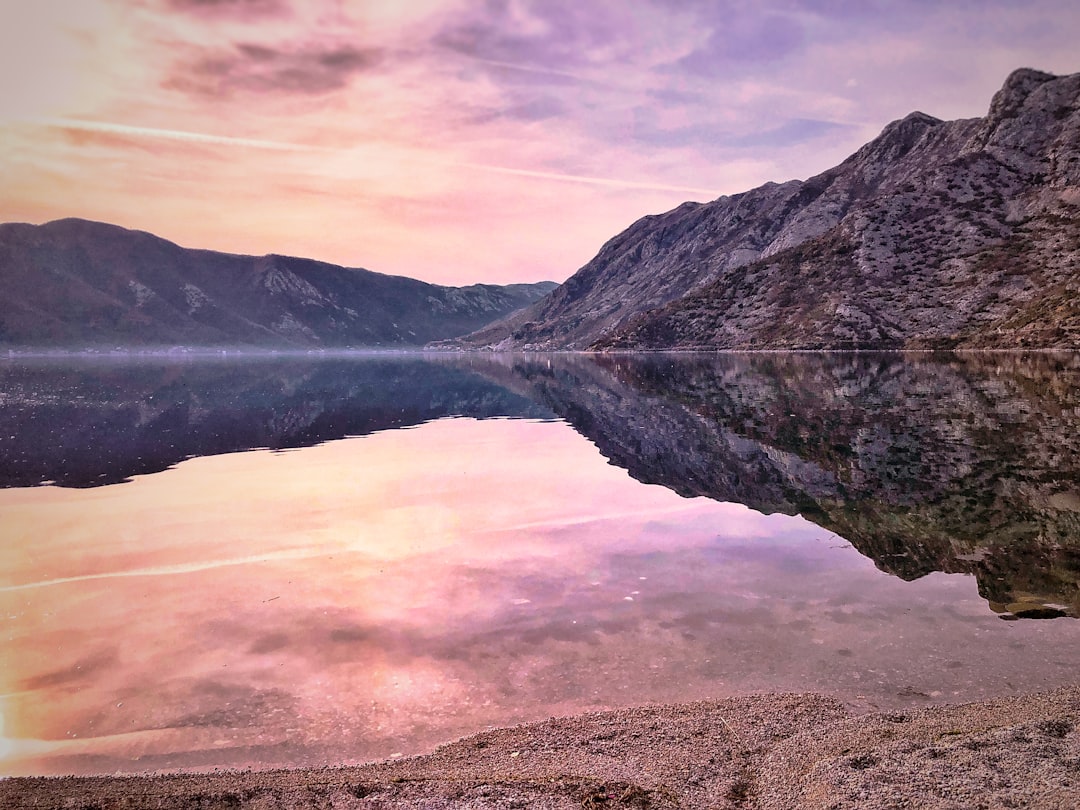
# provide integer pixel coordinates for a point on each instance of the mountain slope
(961, 233)
(75, 283)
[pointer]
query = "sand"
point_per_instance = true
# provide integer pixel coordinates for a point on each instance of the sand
(767, 751)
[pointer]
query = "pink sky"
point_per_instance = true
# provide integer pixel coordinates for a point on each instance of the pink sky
(462, 142)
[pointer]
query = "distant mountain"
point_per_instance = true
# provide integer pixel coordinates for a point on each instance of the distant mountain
(74, 283)
(944, 234)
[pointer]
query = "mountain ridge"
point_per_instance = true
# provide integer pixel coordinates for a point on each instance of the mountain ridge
(943, 234)
(77, 283)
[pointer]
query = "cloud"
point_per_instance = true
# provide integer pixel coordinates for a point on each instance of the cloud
(125, 133)
(550, 37)
(514, 109)
(530, 74)
(693, 135)
(744, 43)
(538, 108)
(234, 8)
(607, 182)
(254, 68)
(791, 133)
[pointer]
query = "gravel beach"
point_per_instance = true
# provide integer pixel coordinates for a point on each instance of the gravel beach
(766, 751)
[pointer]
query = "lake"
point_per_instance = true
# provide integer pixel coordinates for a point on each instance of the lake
(261, 561)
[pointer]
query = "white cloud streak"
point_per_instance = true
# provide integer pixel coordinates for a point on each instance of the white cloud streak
(596, 181)
(171, 134)
(225, 140)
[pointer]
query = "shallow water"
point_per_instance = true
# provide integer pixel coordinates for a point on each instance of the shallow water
(549, 536)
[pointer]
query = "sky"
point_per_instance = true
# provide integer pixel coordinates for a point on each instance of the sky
(470, 141)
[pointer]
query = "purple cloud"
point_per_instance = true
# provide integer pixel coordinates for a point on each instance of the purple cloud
(234, 8)
(540, 108)
(708, 134)
(791, 133)
(561, 35)
(744, 43)
(248, 67)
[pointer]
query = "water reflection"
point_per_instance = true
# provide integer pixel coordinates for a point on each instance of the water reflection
(961, 464)
(379, 595)
(93, 422)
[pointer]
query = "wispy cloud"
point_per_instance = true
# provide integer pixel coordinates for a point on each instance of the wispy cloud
(241, 8)
(251, 67)
(607, 182)
(418, 157)
(556, 34)
(170, 134)
(533, 69)
(795, 131)
(743, 43)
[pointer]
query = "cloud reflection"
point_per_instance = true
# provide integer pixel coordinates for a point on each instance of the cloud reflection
(391, 592)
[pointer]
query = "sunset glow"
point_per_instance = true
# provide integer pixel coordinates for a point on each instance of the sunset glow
(462, 142)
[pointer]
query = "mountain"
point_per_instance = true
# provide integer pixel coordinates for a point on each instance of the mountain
(935, 234)
(74, 283)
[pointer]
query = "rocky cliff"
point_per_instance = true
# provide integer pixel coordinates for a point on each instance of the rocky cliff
(945, 234)
(73, 283)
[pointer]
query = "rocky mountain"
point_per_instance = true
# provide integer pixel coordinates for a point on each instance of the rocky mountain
(955, 463)
(74, 283)
(935, 234)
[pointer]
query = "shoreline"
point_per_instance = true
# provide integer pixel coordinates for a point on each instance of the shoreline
(762, 751)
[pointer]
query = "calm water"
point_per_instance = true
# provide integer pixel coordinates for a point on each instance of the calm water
(281, 561)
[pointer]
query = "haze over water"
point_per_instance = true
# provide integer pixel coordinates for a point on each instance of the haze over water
(549, 536)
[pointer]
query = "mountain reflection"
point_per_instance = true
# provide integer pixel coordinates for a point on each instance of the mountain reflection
(94, 422)
(954, 463)
(961, 464)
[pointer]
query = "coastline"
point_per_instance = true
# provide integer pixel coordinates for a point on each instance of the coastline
(761, 751)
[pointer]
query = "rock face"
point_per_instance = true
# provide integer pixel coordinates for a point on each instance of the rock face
(73, 283)
(935, 234)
